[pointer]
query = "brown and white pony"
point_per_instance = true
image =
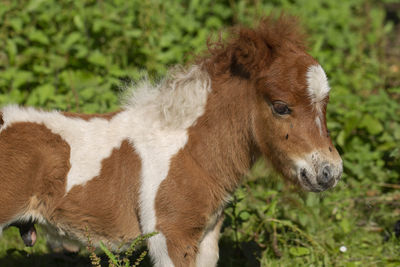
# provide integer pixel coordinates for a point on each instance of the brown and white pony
(170, 159)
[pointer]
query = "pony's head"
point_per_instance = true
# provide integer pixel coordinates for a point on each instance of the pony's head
(289, 95)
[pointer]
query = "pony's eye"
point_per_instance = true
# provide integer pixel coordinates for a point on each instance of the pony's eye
(281, 108)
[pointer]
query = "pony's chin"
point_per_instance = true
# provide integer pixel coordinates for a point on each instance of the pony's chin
(306, 185)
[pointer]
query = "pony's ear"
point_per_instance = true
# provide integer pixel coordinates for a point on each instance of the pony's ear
(248, 55)
(238, 69)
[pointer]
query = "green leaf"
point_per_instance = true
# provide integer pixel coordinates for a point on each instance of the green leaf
(116, 71)
(34, 5)
(41, 69)
(79, 22)
(97, 58)
(372, 125)
(15, 96)
(87, 93)
(109, 254)
(71, 39)
(11, 51)
(38, 36)
(81, 51)
(135, 33)
(299, 251)
(57, 62)
(340, 139)
(397, 131)
(22, 77)
(244, 215)
(16, 24)
(45, 92)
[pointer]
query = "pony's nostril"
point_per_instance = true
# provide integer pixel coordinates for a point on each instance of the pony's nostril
(326, 173)
(303, 174)
(325, 176)
(305, 178)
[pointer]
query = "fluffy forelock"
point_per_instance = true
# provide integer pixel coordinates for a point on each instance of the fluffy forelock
(254, 47)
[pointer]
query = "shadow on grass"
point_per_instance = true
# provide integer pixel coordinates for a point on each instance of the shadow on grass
(243, 254)
(16, 257)
(21, 258)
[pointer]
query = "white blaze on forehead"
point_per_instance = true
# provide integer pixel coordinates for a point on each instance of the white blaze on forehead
(318, 122)
(317, 88)
(317, 83)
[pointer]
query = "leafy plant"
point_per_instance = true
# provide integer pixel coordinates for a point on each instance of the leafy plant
(115, 259)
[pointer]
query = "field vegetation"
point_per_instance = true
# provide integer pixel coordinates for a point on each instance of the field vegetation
(77, 55)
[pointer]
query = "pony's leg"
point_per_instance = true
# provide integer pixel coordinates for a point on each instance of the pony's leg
(12, 209)
(27, 231)
(208, 250)
(179, 250)
(158, 251)
(184, 249)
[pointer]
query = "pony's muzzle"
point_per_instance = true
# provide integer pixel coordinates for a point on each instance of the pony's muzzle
(319, 178)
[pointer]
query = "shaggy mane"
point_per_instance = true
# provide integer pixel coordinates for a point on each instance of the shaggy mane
(248, 50)
(176, 101)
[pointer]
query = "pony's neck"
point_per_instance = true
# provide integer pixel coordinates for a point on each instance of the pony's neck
(221, 141)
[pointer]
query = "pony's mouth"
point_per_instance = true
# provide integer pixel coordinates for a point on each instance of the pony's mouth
(306, 179)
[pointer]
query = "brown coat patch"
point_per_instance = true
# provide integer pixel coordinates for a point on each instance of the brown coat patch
(108, 203)
(33, 165)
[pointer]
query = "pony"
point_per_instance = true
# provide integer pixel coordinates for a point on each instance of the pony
(169, 160)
